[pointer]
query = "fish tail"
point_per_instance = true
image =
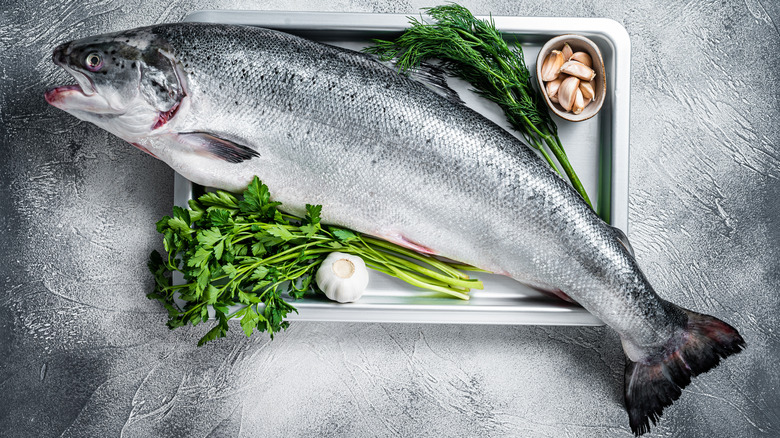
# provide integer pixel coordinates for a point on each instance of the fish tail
(653, 384)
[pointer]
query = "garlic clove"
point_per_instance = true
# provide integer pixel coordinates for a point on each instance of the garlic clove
(583, 58)
(554, 99)
(588, 92)
(567, 51)
(551, 66)
(579, 102)
(552, 87)
(587, 102)
(567, 92)
(578, 69)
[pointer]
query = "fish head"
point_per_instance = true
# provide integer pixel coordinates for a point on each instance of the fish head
(126, 83)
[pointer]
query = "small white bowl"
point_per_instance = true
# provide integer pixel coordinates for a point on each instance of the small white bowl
(578, 44)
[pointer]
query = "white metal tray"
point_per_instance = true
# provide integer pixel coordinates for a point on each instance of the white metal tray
(597, 148)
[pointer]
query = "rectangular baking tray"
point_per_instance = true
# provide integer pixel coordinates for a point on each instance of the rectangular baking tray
(597, 148)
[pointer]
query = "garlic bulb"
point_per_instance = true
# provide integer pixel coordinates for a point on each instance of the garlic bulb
(343, 277)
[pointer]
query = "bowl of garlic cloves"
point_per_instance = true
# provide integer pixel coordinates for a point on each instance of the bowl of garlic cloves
(570, 74)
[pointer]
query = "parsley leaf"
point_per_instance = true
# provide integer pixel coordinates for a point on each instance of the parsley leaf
(280, 232)
(313, 213)
(343, 235)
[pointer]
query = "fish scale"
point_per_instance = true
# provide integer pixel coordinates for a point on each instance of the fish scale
(386, 156)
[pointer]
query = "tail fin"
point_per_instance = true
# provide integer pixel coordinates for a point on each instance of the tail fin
(654, 384)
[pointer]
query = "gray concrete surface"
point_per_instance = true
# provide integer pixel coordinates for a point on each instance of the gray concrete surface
(84, 353)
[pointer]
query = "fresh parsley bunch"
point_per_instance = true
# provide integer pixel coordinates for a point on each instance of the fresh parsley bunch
(245, 254)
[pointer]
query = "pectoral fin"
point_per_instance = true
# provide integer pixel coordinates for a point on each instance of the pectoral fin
(143, 148)
(207, 144)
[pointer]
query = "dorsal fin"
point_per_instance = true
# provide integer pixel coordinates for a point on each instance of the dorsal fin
(433, 77)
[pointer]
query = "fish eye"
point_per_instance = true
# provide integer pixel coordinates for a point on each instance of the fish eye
(93, 61)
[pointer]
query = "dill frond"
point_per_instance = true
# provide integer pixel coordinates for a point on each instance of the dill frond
(475, 51)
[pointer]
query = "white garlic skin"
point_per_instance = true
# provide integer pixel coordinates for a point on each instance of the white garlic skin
(342, 285)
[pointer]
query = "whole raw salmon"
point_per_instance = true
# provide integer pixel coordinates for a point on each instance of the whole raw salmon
(386, 156)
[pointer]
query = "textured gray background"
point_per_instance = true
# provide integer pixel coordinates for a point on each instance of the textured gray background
(84, 353)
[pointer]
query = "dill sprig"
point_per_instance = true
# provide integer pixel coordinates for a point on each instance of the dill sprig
(475, 51)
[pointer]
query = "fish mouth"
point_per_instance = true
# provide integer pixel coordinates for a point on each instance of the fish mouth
(55, 96)
(80, 96)
(59, 96)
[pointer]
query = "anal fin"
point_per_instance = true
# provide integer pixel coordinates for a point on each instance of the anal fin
(557, 293)
(210, 145)
(400, 240)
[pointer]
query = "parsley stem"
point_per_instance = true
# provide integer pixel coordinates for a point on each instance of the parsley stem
(176, 287)
(416, 281)
(421, 274)
(412, 267)
(430, 260)
(293, 256)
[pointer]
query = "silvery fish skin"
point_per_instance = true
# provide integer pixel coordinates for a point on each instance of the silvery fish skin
(386, 156)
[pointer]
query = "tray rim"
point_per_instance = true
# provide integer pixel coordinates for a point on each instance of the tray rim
(609, 29)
